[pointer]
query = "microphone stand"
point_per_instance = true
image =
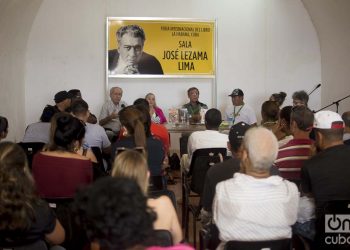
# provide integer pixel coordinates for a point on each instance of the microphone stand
(336, 103)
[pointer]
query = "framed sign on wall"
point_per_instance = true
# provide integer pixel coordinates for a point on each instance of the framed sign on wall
(160, 47)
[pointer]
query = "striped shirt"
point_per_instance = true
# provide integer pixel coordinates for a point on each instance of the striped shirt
(291, 158)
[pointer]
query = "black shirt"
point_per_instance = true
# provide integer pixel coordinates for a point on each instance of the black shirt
(155, 152)
(326, 175)
(44, 222)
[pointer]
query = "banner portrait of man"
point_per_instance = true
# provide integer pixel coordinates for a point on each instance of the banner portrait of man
(130, 58)
(160, 47)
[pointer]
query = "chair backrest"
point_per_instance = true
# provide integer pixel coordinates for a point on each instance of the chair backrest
(281, 244)
(163, 238)
(31, 148)
(38, 245)
(202, 160)
(156, 182)
(98, 154)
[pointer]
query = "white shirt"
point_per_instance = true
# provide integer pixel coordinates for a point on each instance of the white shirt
(37, 132)
(205, 139)
(108, 108)
(243, 113)
(251, 209)
(95, 136)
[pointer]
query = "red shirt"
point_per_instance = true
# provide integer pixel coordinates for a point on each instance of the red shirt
(291, 158)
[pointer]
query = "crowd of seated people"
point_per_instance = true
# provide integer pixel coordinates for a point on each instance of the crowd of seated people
(312, 167)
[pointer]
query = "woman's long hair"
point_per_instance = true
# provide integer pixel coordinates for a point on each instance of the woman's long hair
(132, 164)
(134, 121)
(16, 188)
(65, 131)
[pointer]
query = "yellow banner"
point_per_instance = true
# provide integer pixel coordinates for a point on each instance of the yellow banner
(180, 47)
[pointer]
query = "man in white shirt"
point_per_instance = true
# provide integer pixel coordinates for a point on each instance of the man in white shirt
(254, 206)
(239, 111)
(209, 138)
(109, 118)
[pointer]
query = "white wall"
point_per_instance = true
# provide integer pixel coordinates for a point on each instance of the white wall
(332, 22)
(263, 47)
(15, 23)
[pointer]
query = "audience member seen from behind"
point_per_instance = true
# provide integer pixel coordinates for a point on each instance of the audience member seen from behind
(115, 214)
(25, 218)
(292, 156)
(156, 113)
(225, 170)
(278, 97)
(325, 176)
(138, 134)
(269, 114)
(133, 164)
(209, 138)
(60, 170)
(254, 206)
(81, 150)
(194, 106)
(95, 135)
(76, 95)
(284, 135)
(346, 119)
(300, 98)
(40, 131)
(157, 130)
(4, 127)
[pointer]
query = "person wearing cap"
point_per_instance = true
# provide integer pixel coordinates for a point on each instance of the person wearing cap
(194, 106)
(253, 205)
(109, 118)
(292, 156)
(239, 111)
(225, 170)
(346, 119)
(63, 100)
(326, 175)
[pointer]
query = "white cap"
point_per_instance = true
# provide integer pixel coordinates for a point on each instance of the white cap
(328, 120)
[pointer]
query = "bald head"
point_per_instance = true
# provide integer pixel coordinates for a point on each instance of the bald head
(261, 147)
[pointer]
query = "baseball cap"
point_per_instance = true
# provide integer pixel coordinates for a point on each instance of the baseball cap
(236, 134)
(328, 120)
(236, 92)
(62, 95)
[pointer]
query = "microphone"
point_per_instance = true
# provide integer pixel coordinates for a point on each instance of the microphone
(318, 85)
(122, 106)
